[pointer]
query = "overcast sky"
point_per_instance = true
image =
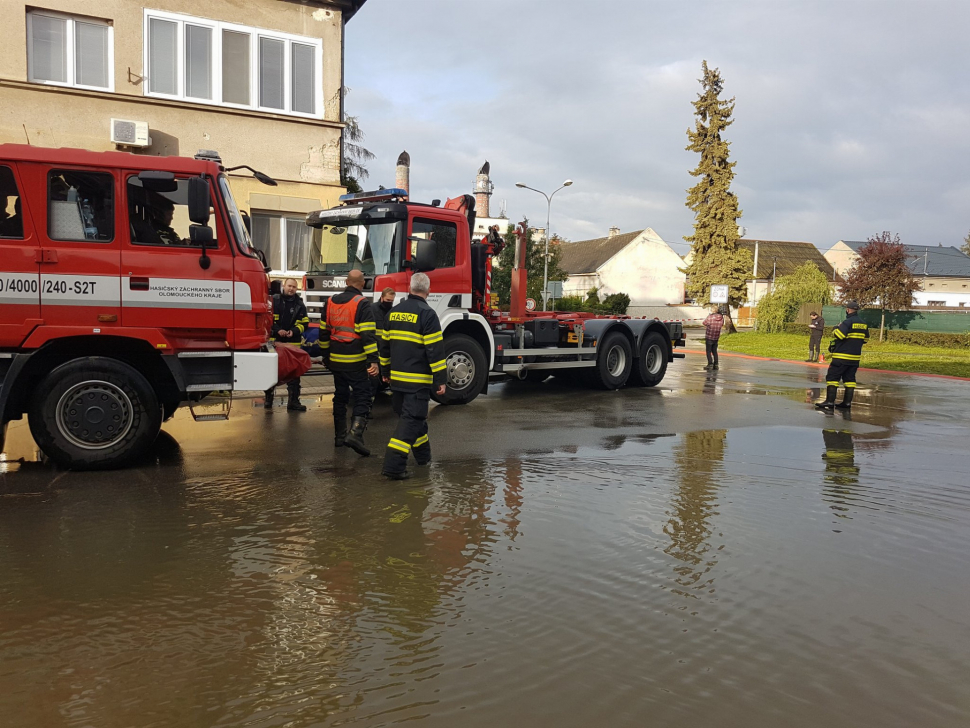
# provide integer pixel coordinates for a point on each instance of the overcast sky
(851, 117)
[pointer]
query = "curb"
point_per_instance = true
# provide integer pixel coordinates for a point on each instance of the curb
(820, 366)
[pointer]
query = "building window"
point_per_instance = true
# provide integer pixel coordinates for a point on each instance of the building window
(284, 240)
(936, 303)
(65, 50)
(206, 61)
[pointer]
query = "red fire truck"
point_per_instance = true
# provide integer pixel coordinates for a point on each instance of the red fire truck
(388, 237)
(128, 286)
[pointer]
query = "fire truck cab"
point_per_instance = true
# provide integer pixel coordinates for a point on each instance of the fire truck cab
(128, 286)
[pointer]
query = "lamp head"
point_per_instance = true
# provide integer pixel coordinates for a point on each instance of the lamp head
(519, 184)
(567, 183)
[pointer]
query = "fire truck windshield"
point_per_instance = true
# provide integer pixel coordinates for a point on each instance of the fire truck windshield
(372, 247)
(235, 218)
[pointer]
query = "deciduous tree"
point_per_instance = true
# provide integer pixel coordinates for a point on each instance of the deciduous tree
(881, 277)
(716, 257)
(807, 284)
(502, 272)
(966, 245)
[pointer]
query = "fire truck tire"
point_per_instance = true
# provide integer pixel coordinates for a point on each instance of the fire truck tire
(651, 364)
(94, 413)
(467, 370)
(614, 361)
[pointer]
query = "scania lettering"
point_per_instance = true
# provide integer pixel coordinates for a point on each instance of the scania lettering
(128, 287)
(389, 237)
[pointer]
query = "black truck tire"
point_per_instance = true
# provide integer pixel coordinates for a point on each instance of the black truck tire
(651, 365)
(467, 369)
(94, 413)
(614, 361)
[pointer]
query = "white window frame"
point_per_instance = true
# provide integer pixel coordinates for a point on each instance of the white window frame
(284, 270)
(217, 27)
(69, 50)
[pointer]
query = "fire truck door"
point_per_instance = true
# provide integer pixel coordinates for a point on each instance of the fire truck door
(163, 284)
(80, 258)
(19, 269)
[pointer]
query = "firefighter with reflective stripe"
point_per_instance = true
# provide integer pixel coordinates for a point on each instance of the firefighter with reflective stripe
(381, 308)
(290, 323)
(349, 345)
(413, 361)
(846, 354)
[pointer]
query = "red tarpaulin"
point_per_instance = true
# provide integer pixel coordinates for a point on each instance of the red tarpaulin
(293, 363)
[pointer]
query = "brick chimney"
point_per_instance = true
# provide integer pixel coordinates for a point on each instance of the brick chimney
(614, 231)
(483, 191)
(402, 173)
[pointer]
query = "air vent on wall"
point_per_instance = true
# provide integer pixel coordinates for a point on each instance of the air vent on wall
(130, 133)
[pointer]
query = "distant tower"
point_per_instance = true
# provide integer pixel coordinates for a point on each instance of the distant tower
(483, 190)
(402, 175)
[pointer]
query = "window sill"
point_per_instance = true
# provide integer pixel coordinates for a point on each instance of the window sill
(156, 101)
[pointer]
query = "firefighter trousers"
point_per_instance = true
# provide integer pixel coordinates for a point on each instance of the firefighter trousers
(354, 388)
(841, 369)
(411, 434)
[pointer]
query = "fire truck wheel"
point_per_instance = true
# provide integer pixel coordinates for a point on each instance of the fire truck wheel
(651, 365)
(467, 369)
(94, 413)
(614, 360)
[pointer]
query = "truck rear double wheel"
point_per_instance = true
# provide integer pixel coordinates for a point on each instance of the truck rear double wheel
(94, 413)
(467, 370)
(651, 364)
(614, 362)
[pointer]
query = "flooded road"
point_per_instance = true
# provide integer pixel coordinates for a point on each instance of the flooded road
(712, 552)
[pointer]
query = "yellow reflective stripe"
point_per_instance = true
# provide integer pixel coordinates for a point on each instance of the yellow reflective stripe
(386, 335)
(324, 344)
(850, 385)
(399, 445)
(348, 358)
(323, 325)
(366, 326)
(833, 384)
(370, 349)
(838, 334)
(438, 366)
(420, 441)
(855, 336)
(406, 336)
(848, 357)
(385, 362)
(432, 338)
(409, 377)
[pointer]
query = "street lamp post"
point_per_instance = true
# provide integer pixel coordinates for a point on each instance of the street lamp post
(545, 273)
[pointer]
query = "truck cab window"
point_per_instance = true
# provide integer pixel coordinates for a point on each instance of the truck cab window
(160, 216)
(373, 247)
(11, 208)
(445, 235)
(80, 206)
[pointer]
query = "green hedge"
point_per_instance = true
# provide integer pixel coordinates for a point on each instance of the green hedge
(916, 338)
(804, 330)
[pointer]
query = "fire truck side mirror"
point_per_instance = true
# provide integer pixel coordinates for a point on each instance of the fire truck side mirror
(201, 235)
(199, 201)
(424, 255)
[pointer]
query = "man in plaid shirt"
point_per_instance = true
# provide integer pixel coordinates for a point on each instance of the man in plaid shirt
(712, 332)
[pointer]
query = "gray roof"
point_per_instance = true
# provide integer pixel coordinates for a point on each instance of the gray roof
(937, 260)
(783, 257)
(587, 256)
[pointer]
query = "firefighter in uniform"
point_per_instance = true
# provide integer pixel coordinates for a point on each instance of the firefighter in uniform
(290, 322)
(846, 353)
(349, 344)
(413, 361)
(381, 307)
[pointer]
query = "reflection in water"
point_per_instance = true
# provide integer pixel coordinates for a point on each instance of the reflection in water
(699, 464)
(841, 472)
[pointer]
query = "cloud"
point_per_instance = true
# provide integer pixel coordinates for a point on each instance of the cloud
(850, 117)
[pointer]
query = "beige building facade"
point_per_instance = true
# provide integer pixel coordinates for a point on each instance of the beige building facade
(258, 81)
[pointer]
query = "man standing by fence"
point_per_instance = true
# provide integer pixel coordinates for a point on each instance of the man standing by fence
(815, 328)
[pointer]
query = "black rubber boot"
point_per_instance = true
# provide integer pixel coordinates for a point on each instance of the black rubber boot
(846, 402)
(829, 402)
(293, 404)
(268, 398)
(355, 439)
(404, 475)
(339, 431)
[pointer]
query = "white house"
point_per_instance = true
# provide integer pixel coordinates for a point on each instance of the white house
(639, 264)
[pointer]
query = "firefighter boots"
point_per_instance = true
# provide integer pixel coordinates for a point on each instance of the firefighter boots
(268, 398)
(339, 431)
(846, 402)
(355, 438)
(293, 402)
(403, 475)
(829, 402)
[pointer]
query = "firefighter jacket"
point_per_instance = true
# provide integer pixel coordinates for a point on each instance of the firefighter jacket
(850, 335)
(347, 332)
(381, 310)
(413, 351)
(289, 314)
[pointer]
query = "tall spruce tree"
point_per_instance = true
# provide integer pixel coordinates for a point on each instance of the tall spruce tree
(716, 257)
(966, 245)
